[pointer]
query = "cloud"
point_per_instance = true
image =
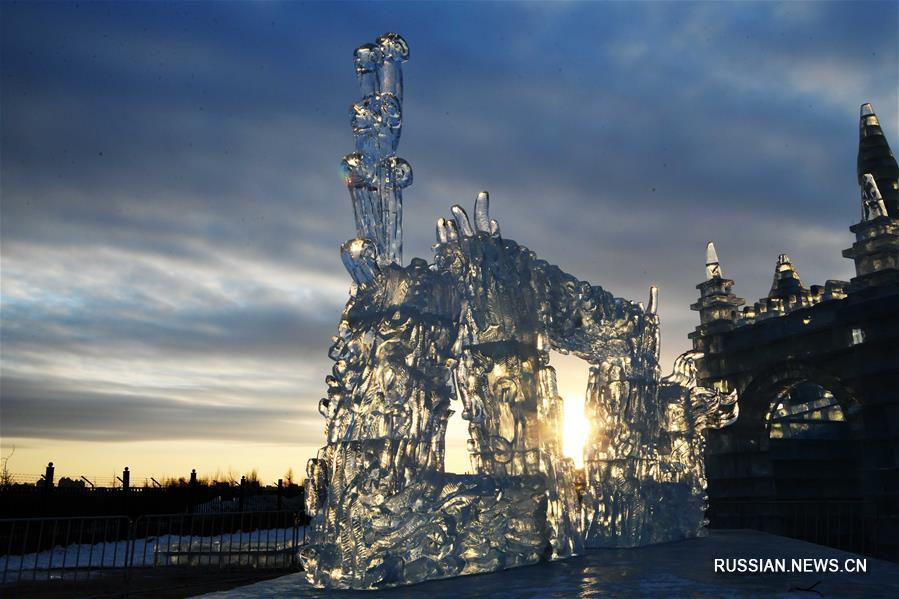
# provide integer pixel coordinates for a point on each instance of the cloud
(43, 411)
(172, 208)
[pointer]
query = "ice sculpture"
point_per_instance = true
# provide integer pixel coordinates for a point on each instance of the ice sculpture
(475, 326)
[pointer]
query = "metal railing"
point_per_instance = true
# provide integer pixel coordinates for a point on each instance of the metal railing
(73, 548)
(255, 539)
(843, 524)
(62, 548)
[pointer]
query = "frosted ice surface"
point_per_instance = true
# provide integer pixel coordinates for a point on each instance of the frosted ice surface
(472, 329)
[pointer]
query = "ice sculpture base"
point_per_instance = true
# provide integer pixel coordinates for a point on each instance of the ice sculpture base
(439, 526)
(637, 513)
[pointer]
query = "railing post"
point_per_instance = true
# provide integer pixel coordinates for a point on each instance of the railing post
(126, 490)
(129, 549)
(46, 489)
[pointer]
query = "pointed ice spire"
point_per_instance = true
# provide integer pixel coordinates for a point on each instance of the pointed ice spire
(463, 224)
(872, 201)
(653, 300)
(786, 279)
(712, 268)
(867, 110)
(717, 305)
(876, 159)
(482, 212)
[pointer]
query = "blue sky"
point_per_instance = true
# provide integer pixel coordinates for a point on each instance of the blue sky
(172, 206)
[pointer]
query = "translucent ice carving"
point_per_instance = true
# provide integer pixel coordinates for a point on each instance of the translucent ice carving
(474, 329)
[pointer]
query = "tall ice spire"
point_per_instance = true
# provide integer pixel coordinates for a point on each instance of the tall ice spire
(876, 158)
(876, 248)
(717, 305)
(374, 174)
(712, 267)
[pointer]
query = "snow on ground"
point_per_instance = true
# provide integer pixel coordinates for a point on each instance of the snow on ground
(682, 569)
(270, 547)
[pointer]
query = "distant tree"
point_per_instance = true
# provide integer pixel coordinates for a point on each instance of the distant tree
(221, 478)
(174, 482)
(5, 476)
(252, 477)
(66, 482)
(232, 476)
(288, 476)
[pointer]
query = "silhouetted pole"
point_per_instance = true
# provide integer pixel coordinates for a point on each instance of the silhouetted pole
(243, 488)
(192, 490)
(48, 485)
(280, 492)
(126, 487)
(48, 475)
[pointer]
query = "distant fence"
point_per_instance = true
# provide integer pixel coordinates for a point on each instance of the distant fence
(21, 501)
(842, 524)
(36, 549)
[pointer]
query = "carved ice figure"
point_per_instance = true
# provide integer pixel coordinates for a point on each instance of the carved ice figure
(477, 324)
(872, 201)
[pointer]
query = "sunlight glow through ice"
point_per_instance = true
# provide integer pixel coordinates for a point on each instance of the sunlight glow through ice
(575, 430)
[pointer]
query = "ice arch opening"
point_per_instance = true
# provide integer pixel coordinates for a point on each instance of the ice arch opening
(572, 374)
(457, 458)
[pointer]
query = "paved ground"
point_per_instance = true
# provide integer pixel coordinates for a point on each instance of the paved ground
(681, 569)
(157, 583)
